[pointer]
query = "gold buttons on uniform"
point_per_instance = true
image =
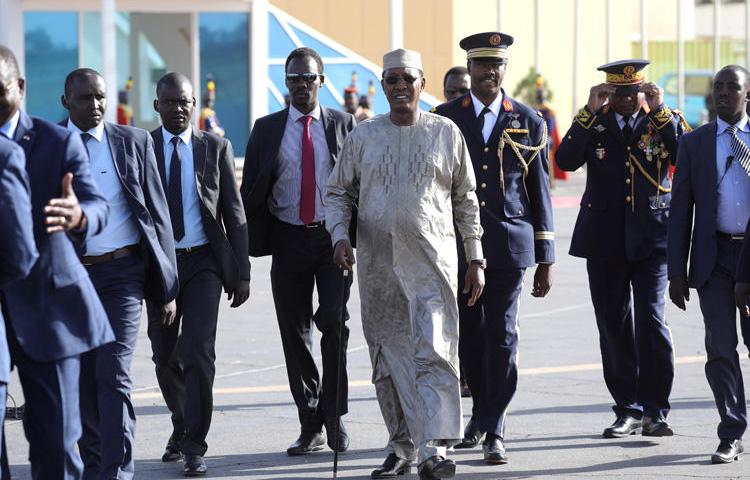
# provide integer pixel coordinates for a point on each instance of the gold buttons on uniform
(589, 205)
(627, 199)
(486, 149)
(484, 185)
(628, 149)
(484, 167)
(482, 203)
(627, 164)
(627, 180)
(663, 204)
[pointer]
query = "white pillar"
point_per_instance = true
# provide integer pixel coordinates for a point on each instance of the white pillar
(608, 26)
(576, 44)
(195, 64)
(500, 18)
(396, 24)
(717, 35)
(680, 56)
(11, 30)
(258, 60)
(537, 37)
(644, 30)
(109, 57)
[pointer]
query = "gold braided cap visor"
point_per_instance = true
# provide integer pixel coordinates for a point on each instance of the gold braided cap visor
(625, 79)
(487, 53)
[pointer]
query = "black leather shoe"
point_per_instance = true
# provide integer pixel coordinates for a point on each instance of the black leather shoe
(437, 467)
(307, 442)
(392, 467)
(472, 435)
(171, 453)
(729, 451)
(194, 466)
(656, 427)
(343, 443)
(623, 426)
(494, 451)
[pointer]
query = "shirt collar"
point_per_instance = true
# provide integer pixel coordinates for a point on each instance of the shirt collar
(9, 129)
(621, 118)
(295, 114)
(742, 125)
(185, 136)
(97, 132)
(494, 106)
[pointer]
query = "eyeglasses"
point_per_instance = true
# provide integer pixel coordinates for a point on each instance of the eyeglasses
(453, 91)
(394, 79)
(171, 102)
(302, 77)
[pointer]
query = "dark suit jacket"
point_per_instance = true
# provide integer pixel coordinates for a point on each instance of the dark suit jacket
(516, 219)
(622, 216)
(743, 265)
(17, 248)
(260, 157)
(694, 193)
(133, 151)
(55, 311)
(222, 214)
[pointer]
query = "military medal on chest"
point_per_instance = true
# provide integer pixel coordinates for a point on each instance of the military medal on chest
(600, 152)
(515, 123)
(650, 144)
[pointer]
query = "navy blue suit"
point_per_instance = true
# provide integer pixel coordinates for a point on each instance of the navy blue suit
(621, 231)
(713, 265)
(54, 314)
(17, 248)
(516, 215)
(107, 413)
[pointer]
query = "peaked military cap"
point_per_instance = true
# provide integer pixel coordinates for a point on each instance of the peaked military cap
(489, 45)
(625, 72)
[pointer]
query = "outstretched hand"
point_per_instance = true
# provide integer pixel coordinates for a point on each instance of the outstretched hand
(64, 214)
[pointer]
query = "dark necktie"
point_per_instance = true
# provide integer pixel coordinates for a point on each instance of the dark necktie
(740, 149)
(85, 137)
(307, 193)
(174, 191)
(484, 112)
(627, 130)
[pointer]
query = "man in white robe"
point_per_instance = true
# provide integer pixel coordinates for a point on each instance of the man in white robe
(410, 175)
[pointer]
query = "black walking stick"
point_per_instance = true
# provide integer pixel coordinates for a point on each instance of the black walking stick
(340, 366)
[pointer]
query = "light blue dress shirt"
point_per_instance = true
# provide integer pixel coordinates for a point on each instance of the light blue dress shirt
(191, 210)
(490, 118)
(121, 230)
(9, 129)
(733, 183)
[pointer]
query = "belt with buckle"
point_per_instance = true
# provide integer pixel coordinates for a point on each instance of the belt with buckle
(113, 255)
(183, 251)
(732, 237)
(315, 224)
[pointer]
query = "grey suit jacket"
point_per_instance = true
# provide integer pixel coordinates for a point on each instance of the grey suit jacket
(222, 214)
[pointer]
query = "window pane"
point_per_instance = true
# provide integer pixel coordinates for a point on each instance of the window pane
(51, 52)
(224, 55)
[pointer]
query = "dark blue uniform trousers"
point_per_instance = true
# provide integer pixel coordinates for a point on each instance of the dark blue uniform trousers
(633, 333)
(51, 418)
(723, 364)
(488, 346)
(107, 413)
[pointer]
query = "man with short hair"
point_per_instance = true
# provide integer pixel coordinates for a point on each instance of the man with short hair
(210, 234)
(53, 315)
(288, 159)
(131, 258)
(411, 173)
(507, 141)
(707, 220)
(456, 83)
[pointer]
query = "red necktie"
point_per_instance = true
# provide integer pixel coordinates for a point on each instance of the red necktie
(307, 194)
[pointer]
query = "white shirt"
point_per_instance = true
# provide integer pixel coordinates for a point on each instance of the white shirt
(634, 120)
(9, 129)
(490, 117)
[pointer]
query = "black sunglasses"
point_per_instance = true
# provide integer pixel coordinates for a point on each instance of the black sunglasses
(453, 91)
(394, 79)
(302, 77)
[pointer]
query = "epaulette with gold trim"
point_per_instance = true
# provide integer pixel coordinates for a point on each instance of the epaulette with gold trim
(585, 118)
(662, 117)
(683, 123)
(433, 110)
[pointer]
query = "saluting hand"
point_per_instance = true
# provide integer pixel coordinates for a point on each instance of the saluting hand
(474, 283)
(240, 294)
(598, 96)
(679, 292)
(654, 95)
(64, 213)
(343, 255)
(742, 297)
(542, 280)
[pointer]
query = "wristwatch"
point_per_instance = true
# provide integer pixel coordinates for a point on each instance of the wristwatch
(481, 262)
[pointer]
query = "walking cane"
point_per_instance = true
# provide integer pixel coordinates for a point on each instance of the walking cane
(341, 359)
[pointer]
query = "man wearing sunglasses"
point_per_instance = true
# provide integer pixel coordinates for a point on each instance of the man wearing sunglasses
(508, 145)
(627, 138)
(288, 159)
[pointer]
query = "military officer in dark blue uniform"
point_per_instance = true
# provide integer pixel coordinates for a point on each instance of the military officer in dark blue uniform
(508, 145)
(627, 138)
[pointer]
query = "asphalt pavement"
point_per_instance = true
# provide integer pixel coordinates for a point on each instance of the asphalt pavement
(554, 424)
